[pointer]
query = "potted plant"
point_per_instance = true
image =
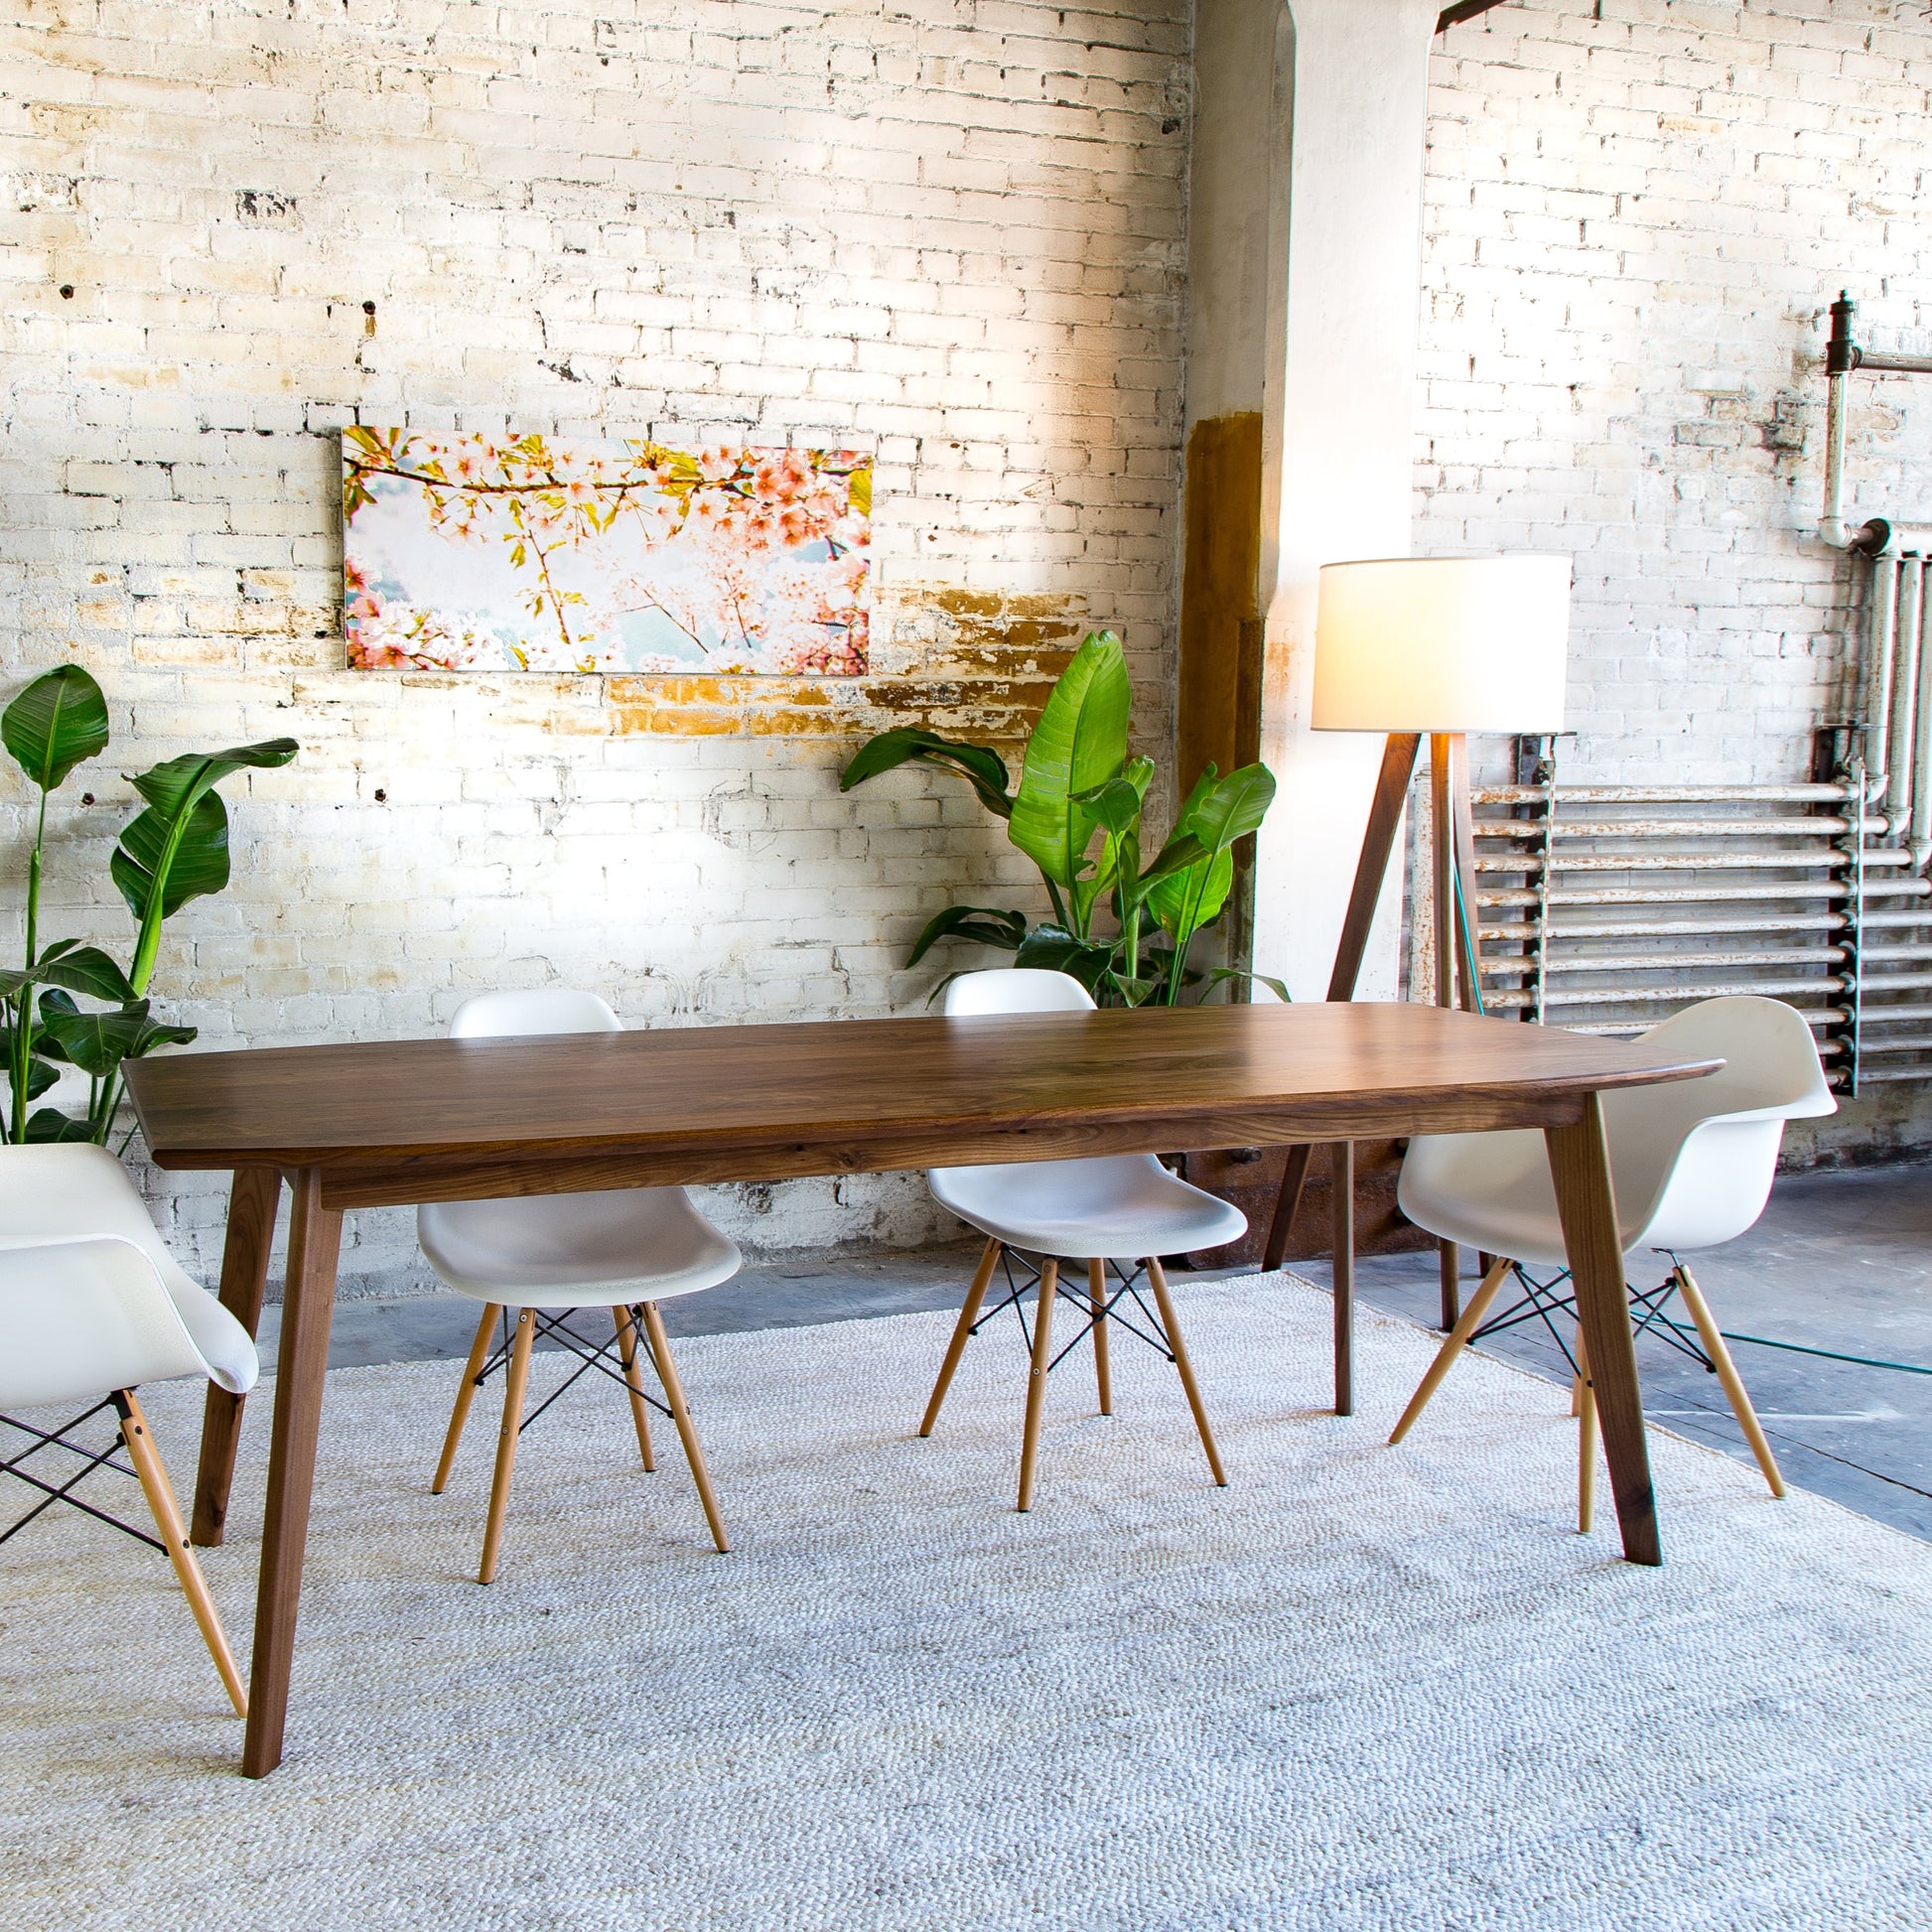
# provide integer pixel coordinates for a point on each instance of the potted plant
(1078, 815)
(174, 850)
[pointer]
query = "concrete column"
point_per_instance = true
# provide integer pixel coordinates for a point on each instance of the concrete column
(1304, 253)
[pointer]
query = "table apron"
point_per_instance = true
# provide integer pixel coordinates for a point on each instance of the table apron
(351, 1181)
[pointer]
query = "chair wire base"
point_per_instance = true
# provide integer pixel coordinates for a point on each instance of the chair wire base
(591, 1356)
(90, 1462)
(1543, 1301)
(1153, 1334)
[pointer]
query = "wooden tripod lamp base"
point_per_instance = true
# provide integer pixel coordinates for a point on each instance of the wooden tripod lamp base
(1437, 646)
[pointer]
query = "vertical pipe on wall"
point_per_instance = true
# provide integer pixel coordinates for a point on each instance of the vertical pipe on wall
(1880, 645)
(1904, 683)
(1921, 833)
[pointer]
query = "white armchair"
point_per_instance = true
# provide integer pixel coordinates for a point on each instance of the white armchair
(92, 1304)
(1691, 1165)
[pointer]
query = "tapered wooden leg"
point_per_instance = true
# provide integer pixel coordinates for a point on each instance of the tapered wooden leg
(514, 1386)
(1157, 1276)
(1449, 1263)
(633, 1380)
(1049, 1276)
(1733, 1383)
(167, 1519)
(1103, 1372)
(315, 1246)
(1586, 1443)
(687, 1431)
(1467, 1322)
(1576, 1396)
(1586, 1203)
(1342, 1220)
(962, 1333)
(464, 1395)
(253, 1199)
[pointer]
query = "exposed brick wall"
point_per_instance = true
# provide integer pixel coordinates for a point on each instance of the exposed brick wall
(952, 235)
(1637, 213)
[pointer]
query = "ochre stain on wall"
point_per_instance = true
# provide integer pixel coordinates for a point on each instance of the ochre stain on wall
(1218, 699)
(968, 663)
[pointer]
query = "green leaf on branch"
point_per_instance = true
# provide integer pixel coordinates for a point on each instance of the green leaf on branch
(1274, 986)
(78, 968)
(1053, 949)
(1078, 745)
(982, 767)
(97, 1043)
(981, 924)
(50, 1124)
(178, 849)
(59, 721)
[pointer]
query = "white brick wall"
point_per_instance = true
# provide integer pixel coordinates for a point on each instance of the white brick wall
(1637, 214)
(950, 233)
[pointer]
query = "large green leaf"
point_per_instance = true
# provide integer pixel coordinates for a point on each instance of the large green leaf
(983, 767)
(1079, 744)
(983, 923)
(178, 848)
(57, 722)
(1230, 808)
(198, 863)
(79, 968)
(97, 1043)
(50, 1124)
(1185, 901)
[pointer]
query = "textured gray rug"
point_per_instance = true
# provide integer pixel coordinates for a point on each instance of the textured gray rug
(1360, 1688)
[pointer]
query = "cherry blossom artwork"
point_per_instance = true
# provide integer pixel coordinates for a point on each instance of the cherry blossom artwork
(464, 553)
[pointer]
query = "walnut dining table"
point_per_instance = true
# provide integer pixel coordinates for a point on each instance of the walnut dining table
(402, 1122)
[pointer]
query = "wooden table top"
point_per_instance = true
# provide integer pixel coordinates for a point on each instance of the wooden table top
(413, 1120)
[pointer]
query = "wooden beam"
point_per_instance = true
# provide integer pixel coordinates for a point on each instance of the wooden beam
(1463, 10)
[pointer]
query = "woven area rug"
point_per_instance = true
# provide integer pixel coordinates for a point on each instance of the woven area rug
(1360, 1688)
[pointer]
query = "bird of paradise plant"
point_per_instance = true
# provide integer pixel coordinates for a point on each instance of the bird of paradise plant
(174, 850)
(1077, 814)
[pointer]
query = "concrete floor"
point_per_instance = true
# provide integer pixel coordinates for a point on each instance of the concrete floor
(1841, 1261)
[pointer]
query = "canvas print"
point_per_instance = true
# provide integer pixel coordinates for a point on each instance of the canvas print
(465, 553)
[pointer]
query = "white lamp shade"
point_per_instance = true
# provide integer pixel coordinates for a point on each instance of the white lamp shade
(1442, 644)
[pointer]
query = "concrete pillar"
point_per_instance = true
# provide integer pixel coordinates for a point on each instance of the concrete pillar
(1304, 256)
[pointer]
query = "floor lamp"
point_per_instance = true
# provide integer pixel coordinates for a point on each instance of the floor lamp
(1436, 647)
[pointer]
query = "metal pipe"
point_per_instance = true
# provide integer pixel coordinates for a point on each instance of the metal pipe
(1793, 827)
(1839, 360)
(1806, 794)
(1922, 832)
(1652, 996)
(1664, 962)
(1628, 928)
(1881, 641)
(1903, 735)
(1675, 860)
(1770, 889)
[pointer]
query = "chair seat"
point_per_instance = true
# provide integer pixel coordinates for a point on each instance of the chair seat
(1111, 1207)
(565, 1250)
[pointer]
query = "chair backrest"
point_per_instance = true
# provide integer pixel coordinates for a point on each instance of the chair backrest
(1694, 1160)
(548, 1010)
(1015, 989)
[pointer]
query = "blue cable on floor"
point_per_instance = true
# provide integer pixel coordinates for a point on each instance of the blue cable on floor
(1831, 1355)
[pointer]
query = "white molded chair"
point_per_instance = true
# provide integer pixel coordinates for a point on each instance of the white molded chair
(1691, 1164)
(539, 1257)
(1097, 1210)
(91, 1305)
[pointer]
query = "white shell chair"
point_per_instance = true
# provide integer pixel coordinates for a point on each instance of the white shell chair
(1097, 1210)
(541, 1256)
(91, 1305)
(1691, 1165)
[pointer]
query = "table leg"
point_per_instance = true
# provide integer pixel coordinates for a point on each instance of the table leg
(1294, 1177)
(253, 1202)
(315, 1245)
(1342, 1157)
(1580, 1165)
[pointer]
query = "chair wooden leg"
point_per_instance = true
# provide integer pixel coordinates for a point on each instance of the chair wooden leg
(1585, 1445)
(174, 1536)
(464, 1395)
(1050, 1292)
(633, 1380)
(517, 1381)
(1466, 1325)
(1157, 1276)
(687, 1432)
(962, 1330)
(1575, 1397)
(1103, 1371)
(1733, 1383)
